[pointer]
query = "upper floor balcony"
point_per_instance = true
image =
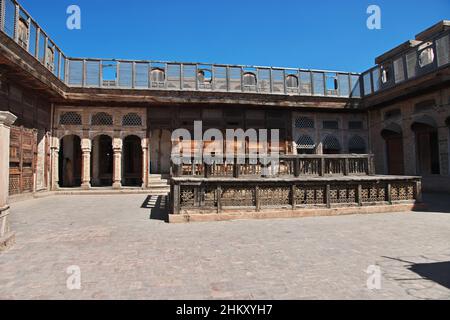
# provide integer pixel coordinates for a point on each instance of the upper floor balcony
(412, 60)
(428, 53)
(156, 75)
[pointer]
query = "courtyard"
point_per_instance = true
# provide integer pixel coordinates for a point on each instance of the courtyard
(125, 250)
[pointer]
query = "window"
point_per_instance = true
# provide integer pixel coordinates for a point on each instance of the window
(70, 118)
(426, 57)
(23, 32)
(102, 119)
(357, 145)
(305, 145)
(355, 125)
(249, 79)
(50, 58)
(304, 123)
(386, 74)
(204, 75)
(132, 120)
(331, 145)
(157, 77)
(292, 81)
(334, 125)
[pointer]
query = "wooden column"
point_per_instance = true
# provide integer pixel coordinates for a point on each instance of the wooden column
(6, 236)
(418, 191)
(86, 163)
(117, 163)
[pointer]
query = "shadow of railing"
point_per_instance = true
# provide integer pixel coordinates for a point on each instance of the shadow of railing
(158, 206)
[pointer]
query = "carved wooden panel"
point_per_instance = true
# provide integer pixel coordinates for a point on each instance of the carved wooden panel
(22, 160)
(274, 196)
(403, 191)
(238, 196)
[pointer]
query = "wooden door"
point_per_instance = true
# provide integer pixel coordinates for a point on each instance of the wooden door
(23, 159)
(394, 148)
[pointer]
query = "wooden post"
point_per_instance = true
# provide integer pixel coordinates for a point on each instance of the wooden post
(328, 196)
(418, 191)
(219, 200)
(359, 195)
(346, 167)
(176, 198)
(294, 204)
(296, 167)
(257, 200)
(388, 193)
(322, 167)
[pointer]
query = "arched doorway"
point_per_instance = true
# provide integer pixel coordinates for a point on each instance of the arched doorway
(427, 146)
(160, 152)
(70, 162)
(393, 137)
(102, 161)
(132, 162)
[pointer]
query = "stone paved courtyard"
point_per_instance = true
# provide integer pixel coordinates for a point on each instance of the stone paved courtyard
(123, 254)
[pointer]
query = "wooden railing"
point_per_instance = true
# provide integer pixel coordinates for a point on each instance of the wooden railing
(215, 195)
(286, 166)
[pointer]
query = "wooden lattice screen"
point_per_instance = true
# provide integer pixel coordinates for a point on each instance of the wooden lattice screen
(23, 158)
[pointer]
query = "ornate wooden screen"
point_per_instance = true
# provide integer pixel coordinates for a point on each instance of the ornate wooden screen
(23, 156)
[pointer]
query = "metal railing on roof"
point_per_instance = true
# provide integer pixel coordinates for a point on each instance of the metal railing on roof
(426, 57)
(156, 75)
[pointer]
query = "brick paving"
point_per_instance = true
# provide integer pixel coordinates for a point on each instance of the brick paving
(123, 254)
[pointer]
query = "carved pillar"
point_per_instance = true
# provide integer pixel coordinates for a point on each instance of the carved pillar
(144, 162)
(117, 163)
(54, 153)
(86, 163)
(6, 236)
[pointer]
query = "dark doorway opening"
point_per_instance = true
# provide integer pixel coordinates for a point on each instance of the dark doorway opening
(102, 161)
(132, 162)
(427, 148)
(70, 162)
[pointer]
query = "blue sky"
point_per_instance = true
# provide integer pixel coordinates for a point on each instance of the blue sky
(327, 34)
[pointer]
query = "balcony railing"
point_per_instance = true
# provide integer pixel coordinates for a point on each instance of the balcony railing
(427, 57)
(292, 166)
(156, 75)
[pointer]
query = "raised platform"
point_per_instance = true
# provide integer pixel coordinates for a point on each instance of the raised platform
(212, 199)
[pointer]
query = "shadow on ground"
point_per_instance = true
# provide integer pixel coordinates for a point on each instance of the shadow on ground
(438, 272)
(158, 205)
(435, 203)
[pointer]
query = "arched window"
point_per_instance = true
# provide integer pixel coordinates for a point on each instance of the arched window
(357, 145)
(50, 58)
(304, 123)
(70, 119)
(305, 145)
(249, 79)
(102, 119)
(23, 32)
(292, 81)
(157, 77)
(132, 120)
(331, 145)
(204, 76)
(426, 57)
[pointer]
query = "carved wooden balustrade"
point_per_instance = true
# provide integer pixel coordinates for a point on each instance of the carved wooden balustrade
(295, 182)
(286, 166)
(206, 195)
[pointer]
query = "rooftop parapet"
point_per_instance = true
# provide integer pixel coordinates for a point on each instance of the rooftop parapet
(157, 75)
